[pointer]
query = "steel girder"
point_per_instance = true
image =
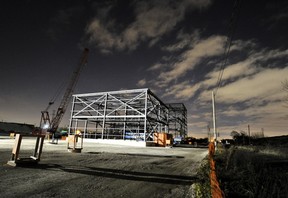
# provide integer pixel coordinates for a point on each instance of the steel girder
(126, 114)
(177, 119)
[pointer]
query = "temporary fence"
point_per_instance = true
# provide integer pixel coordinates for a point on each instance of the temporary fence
(216, 191)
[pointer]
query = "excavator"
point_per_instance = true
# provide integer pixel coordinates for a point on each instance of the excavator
(50, 126)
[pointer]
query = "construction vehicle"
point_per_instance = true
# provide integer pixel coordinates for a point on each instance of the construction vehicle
(49, 126)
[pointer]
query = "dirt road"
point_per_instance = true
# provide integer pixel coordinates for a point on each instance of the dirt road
(100, 171)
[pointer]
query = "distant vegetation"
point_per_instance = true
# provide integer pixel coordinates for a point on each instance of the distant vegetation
(257, 139)
(259, 169)
(195, 141)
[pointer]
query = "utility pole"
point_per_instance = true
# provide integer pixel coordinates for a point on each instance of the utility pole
(214, 117)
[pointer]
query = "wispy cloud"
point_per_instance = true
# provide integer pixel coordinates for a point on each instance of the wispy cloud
(250, 90)
(153, 19)
(262, 85)
(182, 90)
(251, 94)
(251, 83)
(280, 15)
(204, 48)
(271, 116)
(253, 70)
(254, 77)
(141, 83)
(183, 40)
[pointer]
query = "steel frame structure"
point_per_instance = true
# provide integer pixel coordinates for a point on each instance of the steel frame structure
(177, 119)
(126, 114)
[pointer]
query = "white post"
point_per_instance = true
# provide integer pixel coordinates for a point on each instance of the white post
(145, 119)
(104, 116)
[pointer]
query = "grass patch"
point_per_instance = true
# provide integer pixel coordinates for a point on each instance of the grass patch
(202, 189)
(253, 171)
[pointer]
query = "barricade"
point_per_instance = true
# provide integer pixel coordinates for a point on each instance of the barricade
(34, 159)
(216, 192)
(75, 143)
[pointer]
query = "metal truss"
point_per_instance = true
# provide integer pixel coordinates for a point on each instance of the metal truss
(177, 119)
(127, 114)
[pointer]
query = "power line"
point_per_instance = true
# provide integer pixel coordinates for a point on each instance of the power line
(231, 31)
(231, 28)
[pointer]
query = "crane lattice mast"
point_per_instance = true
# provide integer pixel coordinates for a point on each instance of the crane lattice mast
(54, 123)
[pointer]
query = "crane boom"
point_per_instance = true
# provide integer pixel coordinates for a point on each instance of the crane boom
(54, 123)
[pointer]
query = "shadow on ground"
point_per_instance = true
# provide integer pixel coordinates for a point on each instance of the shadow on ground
(120, 174)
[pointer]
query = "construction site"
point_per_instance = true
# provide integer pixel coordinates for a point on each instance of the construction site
(118, 144)
(140, 99)
(134, 115)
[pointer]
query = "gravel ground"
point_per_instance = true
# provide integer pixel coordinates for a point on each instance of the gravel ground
(100, 170)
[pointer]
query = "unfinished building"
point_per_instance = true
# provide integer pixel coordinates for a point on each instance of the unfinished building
(177, 119)
(123, 115)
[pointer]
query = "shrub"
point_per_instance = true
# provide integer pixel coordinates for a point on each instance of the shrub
(251, 172)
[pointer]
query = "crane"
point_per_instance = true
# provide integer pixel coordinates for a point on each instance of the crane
(51, 126)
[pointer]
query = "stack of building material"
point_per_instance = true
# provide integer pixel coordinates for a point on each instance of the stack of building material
(163, 139)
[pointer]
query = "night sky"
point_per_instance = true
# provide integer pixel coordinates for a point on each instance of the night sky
(175, 48)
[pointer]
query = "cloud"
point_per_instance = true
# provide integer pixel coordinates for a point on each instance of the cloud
(259, 111)
(250, 93)
(141, 83)
(254, 96)
(242, 68)
(256, 69)
(270, 116)
(279, 16)
(261, 85)
(240, 45)
(205, 48)
(264, 85)
(199, 51)
(251, 83)
(102, 34)
(156, 67)
(200, 124)
(242, 80)
(181, 91)
(183, 41)
(153, 19)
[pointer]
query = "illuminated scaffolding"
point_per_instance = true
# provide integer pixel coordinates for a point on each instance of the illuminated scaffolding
(126, 114)
(177, 119)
